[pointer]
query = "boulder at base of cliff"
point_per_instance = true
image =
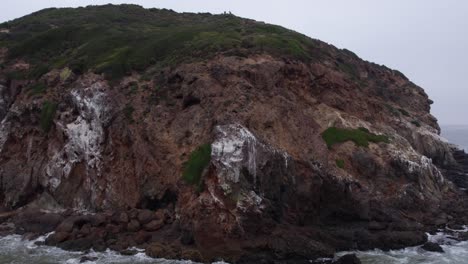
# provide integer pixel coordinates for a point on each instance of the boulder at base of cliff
(432, 247)
(348, 259)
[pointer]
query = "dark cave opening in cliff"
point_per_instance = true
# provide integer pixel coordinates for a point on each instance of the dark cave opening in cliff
(154, 203)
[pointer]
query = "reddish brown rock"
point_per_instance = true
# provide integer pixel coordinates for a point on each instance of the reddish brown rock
(154, 225)
(114, 229)
(159, 250)
(37, 222)
(121, 217)
(272, 189)
(133, 226)
(56, 238)
(141, 237)
(146, 216)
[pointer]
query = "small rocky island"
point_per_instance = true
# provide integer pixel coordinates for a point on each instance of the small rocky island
(209, 137)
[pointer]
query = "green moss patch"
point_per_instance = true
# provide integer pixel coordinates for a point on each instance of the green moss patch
(37, 89)
(361, 137)
(198, 161)
(416, 123)
(65, 74)
(47, 115)
(340, 163)
(404, 112)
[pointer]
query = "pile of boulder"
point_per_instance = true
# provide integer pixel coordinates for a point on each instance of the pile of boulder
(123, 231)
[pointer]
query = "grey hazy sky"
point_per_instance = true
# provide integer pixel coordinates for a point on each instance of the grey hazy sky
(425, 39)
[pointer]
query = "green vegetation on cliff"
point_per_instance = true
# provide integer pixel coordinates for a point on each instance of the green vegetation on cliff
(37, 89)
(198, 161)
(340, 163)
(361, 136)
(47, 115)
(116, 40)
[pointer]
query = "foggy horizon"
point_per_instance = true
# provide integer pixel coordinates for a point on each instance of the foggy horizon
(422, 39)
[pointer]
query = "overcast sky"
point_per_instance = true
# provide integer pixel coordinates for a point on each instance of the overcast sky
(427, 40)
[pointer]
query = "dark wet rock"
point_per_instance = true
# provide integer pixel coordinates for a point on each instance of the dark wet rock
(187, 238)
(30, 236)
(120, 245)
(39, 243)
(348, 259)
(146, 216)
(154, 225)
(85, 229)
(79, 244)
(399, 239)
(5, 216)
(462, 236)
(433, 247)
(191, 254)
(7, 227)
(161, 214)
(322, 261)
(121, 217)
(159, 250)
(98, 220)
(66, 226)
(114, 229)
(141, 237)
(37, 222)
(77, 221)
(87, 259)
(56, 238)
(128, 252)
(133, 226)
(455, 226)
(373, 225)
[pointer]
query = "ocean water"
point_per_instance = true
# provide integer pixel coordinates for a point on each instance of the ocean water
(14, 250)
(456, 134)
(455, 253)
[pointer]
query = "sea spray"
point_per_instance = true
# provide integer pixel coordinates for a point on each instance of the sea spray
(455, 252)
(14, 249)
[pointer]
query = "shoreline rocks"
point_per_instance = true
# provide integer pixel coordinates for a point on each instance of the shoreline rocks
(104, 230)
(432, 247)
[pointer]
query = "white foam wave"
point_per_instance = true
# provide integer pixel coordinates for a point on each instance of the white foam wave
(13, 249)
(455, 253)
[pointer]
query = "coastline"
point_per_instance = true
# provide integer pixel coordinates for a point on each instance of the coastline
(103, 233)
(453, 242)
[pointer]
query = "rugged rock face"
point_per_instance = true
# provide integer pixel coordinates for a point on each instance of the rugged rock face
(273, 188)
(458, 174)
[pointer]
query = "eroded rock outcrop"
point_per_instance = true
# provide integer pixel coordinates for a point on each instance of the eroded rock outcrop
(113, 152)
(84, 138)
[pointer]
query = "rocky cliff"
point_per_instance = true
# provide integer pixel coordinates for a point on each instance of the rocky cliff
(224, 137)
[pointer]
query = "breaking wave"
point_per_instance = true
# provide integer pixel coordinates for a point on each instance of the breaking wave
(15, 250)
(455, 253)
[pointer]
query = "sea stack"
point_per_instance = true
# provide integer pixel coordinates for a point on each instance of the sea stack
(208, 137)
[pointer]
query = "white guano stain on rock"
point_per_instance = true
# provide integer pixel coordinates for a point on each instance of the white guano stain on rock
(85, 136)
(250, 200)
(4, 132)
(235, 150)
(417, 163)
(4, 125)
